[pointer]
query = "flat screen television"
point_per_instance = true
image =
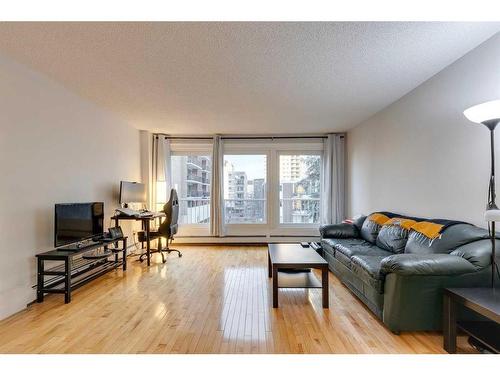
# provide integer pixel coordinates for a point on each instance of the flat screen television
(132, 192)
(76, 222)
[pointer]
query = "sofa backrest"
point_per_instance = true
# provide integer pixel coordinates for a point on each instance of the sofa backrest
(390, 239)
(450, 239)
(453, 235)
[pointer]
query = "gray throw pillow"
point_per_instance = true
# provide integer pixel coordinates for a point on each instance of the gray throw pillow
(371, 227)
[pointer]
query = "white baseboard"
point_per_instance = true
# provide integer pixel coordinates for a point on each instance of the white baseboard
(242, 239)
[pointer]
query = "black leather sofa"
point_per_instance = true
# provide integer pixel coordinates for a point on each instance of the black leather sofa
(399, 274)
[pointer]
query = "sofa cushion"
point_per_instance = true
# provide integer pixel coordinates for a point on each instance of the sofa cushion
(367, 268)
(344, 253)
(342, 230)
(371, 226)
(328, 244)
(394, 234)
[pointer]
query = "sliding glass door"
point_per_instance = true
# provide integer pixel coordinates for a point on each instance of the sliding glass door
(245, 205)
(300, 188)
(191, 175)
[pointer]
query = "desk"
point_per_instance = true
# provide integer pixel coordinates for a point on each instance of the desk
(146, 225)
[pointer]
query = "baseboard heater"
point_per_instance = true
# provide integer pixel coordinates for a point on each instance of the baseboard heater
(291, 236)
(232, 236)
(252, 236)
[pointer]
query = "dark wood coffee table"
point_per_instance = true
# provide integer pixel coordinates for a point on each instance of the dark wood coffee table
(295, 257)
(486, 303)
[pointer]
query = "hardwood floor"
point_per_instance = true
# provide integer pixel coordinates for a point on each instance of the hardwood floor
(215, 299)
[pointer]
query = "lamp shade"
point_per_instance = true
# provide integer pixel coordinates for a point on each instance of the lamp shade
(484, 112)
(161, 192)
(492, 215)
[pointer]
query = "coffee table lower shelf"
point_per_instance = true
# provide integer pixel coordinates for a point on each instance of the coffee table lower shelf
(305, 279)
(487, 333)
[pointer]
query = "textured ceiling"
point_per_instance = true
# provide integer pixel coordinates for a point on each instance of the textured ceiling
(203, 78)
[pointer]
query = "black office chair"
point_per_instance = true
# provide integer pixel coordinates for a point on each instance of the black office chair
(167, 229)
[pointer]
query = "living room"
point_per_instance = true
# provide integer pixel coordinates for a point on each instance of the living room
(250, 187)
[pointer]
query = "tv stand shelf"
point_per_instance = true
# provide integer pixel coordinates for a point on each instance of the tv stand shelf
(77, 267)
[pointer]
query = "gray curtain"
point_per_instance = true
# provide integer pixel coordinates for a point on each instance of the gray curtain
(217, 192)
(161, 170)
(333, 209)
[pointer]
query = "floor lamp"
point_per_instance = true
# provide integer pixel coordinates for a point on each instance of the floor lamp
(488, 114)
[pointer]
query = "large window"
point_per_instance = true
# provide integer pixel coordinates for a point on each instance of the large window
(269, 187)
(299, 188)
(191, 178)
(244, 184)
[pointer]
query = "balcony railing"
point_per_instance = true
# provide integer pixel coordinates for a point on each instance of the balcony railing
(245, 211)
(249, 211)
(194, 210)
(299, 210)
(191, 177)
(198, 162)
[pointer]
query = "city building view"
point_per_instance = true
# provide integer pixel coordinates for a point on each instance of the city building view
(300, 189)
(191, 176)
(245, 189)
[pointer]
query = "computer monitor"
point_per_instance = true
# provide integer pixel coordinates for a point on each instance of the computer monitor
(132, 192)
(74, 222)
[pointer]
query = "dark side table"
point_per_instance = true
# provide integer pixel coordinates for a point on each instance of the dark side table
(483, 301)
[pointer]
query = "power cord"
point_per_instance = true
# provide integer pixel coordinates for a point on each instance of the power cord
(133, 237)
(496, 264)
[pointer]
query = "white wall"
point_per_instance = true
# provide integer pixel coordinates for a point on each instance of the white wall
(54, 147)
(420, 155)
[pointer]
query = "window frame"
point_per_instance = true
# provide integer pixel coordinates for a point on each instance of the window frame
(273, 149)
(293, 226)
(248, 229)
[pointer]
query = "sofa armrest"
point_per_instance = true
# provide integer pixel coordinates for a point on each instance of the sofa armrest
(428, 264)
(477, 252)
(343, 230)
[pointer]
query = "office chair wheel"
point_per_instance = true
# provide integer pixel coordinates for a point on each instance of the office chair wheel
(177, 251)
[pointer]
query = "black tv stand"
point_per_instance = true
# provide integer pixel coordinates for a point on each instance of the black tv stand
(76, 267)
(78, 246)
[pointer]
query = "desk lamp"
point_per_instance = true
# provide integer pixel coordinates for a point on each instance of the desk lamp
(161, 195)
(488, 114)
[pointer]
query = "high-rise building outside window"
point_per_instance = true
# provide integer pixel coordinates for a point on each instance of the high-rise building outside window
(245, 189)
(191, 177)
(300, 189)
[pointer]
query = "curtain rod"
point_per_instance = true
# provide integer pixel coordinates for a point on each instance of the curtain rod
(249, 137)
